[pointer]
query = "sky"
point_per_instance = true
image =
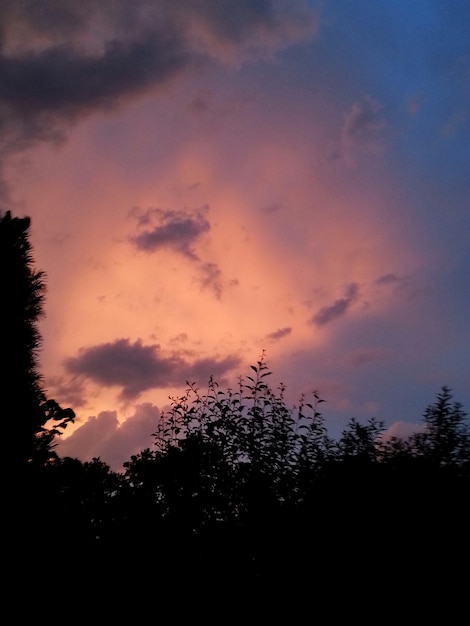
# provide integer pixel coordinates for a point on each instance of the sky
(210, 181)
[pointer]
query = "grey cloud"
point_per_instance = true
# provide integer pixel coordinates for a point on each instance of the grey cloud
(174, 229)
(274, 207)
(202, 369)
(133, 367)
(363, 356)
(136, 368)
(60, 60)
(178, 230)
(234, 21)
(62, 81)
(363, 120)
(68, 391)
(387, 279)
(51, 20)
(253, 25)
(407, 285)
(360, 131)
(329, 313)
(43, 91)
(279, 334)
(211, 278)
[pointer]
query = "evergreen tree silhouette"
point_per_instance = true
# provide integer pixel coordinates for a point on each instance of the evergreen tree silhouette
(25, 409)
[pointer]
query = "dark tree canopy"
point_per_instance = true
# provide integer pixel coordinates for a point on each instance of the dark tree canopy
(25, 409)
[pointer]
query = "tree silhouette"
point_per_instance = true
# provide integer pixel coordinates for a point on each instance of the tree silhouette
(445, 443)
(25, 409)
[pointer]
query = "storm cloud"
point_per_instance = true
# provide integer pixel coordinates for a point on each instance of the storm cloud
(329, 313)
(136, 368)
(174, 229)
(61, 60)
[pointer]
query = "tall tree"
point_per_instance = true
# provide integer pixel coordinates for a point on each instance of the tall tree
(446, 440)
(25, 410)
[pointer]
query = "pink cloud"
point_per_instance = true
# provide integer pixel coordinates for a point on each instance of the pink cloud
(113, 442)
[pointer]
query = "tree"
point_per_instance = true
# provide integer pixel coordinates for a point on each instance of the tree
(25, 409)
(446, 441)
(359, 442)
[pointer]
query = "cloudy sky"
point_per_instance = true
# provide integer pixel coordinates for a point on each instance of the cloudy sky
(208, 180)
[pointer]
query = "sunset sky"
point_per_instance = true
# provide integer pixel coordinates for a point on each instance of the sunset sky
(208, 180)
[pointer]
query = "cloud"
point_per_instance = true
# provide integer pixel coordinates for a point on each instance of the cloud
(388, 279)
(177, 230)
(60, 61)
(363, 120)
(279, 334)
(402, 430)
(362, 125)
(329, 313)
(70, 391)
(363, 356)
(113, 442)
(43, 93)
(61, 81)
(361, 131)
(211, 278)
(136, 368)
(237, 30)
(272, 208)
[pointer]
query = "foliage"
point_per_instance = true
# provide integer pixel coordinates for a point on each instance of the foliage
(256, 435)
(25, 407)
(360, 442)
(446, 440)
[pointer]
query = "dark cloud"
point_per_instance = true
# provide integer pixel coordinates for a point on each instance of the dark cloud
(61, 59)
(201, 370)
(68, 391)
(61, 81)
(329, 313)
(43, 92)
(113, 442)
(364, 356)
(363, 120)
(235, 21)
(274, 207)
(136, 368)
(173, 229)
(361, 131)
(408, 286)
(279, 334)
(251, 26)
(211, 278)
(179, 231)
(388, 279)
